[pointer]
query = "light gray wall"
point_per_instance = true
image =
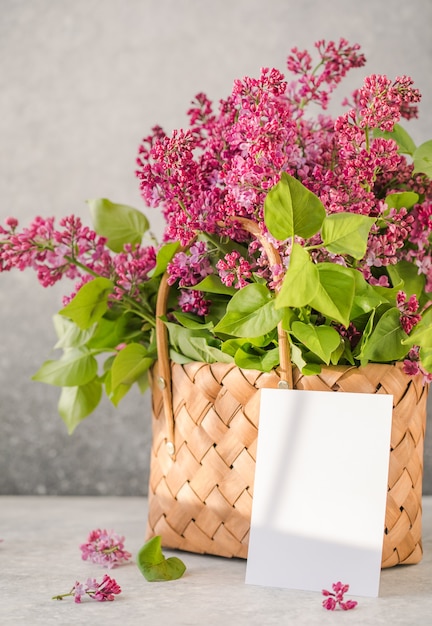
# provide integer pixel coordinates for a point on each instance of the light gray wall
(81, 82)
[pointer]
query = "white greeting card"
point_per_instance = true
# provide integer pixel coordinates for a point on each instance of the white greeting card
(320, 490)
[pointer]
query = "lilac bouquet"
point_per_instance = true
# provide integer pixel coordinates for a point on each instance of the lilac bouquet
(344, 205)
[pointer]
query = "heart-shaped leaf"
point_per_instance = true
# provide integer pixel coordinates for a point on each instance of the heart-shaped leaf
(76, 367)
(118, 223)
(90, 303)
(346, 233)
(301, 280)
(251, 360)
(321, 340)
(401, 199)
(129, 364)
(154, 566)
(292, 209)
(76, 403)
(335, 295)
(386, 341)
(250, 313)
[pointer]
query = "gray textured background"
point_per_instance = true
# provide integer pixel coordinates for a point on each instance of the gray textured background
(81, 82)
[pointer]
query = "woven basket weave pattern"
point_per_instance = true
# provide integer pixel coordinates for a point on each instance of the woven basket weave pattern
(202, 500)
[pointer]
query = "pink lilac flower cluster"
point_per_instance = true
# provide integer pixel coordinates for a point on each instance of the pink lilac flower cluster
(336, 60)
(409, 311)
(74, 251)
(224, 163)
(189, 269)
(335, 598)
(409, 317)
(51, 253)
(412, 365)
(234, 270)
(103, 591)
(194, 302)
(105, 548)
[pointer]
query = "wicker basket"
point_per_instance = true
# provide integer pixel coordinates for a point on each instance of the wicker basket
(205, 427)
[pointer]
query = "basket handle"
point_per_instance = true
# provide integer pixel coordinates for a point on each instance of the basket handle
(162, 343)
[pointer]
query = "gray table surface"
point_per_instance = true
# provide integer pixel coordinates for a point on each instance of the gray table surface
(40, 557)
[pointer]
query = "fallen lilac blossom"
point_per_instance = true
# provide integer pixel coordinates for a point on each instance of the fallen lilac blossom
(336, 598)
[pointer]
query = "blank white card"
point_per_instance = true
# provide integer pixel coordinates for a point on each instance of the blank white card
(320, 490)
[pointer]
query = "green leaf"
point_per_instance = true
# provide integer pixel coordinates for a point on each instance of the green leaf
(213, 284)
(163, 256)
(76, 367)
(196, 345)
(154, 566)
(118, 223)
(265, 362)
(250, 313)
(191, 321)
(388, 293)
(299, 361)
(400, 136)
(335, 295)
(69, 334)
(423, 159)
(340, 351)
(297, 357)
(291, 209)
(311, 369)
(426, 358)
(366, 296)
(76, 403)
(230, 346)
(401, 200)
(129, 364)
(346, 233)
(321, 340)
(115, 395)
(207, 352)
(90, 303)
(143, 382)
(301, 280)
(385, 342)
(405, 275)
(421, 335)
(181, 359)
(108, 334)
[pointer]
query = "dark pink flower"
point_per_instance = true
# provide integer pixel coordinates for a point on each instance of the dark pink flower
(408, 308)
(329, 603)
(103, 591)
(100, 591)
(192, 301)
(234, 270)
(335, 598)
